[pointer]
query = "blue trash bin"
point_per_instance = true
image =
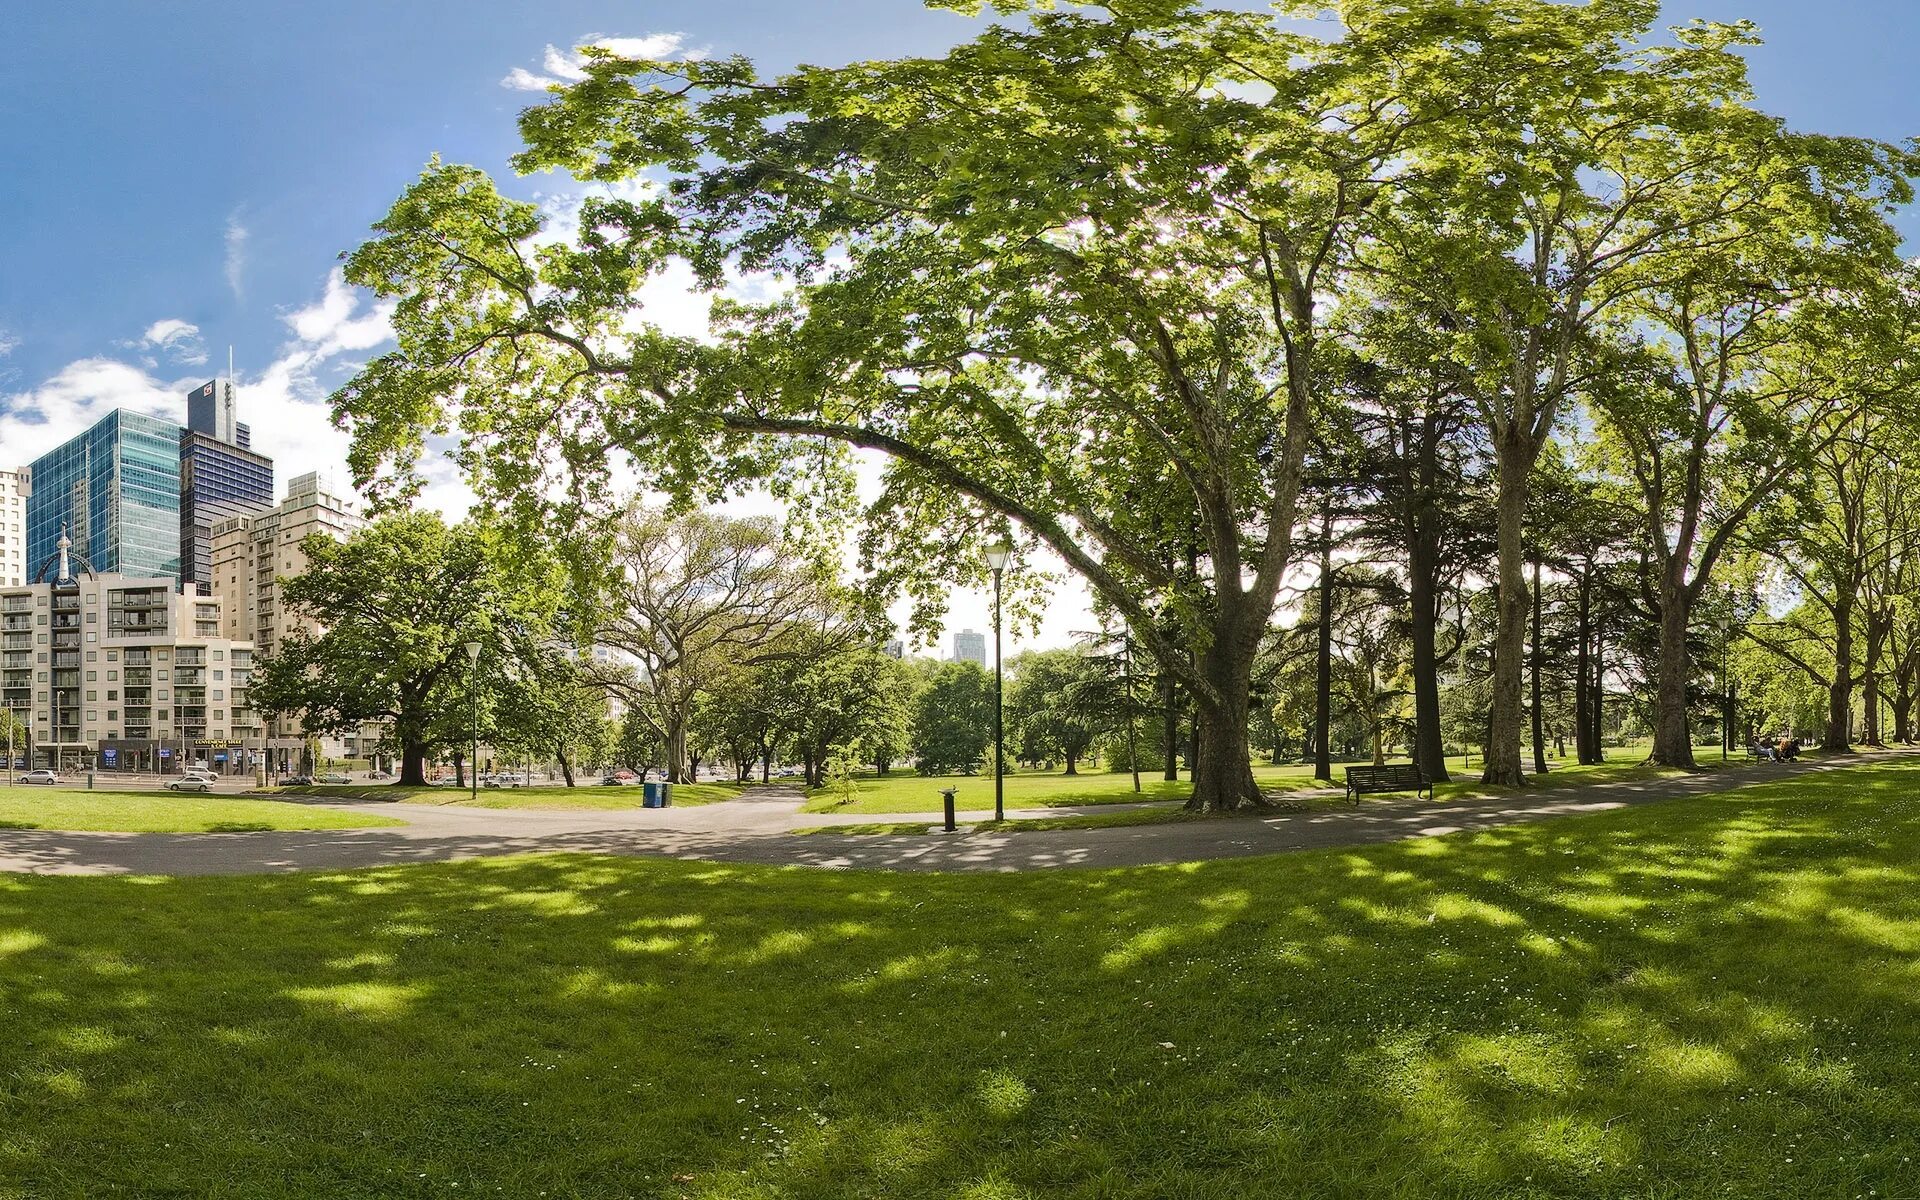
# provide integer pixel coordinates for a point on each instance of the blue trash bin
(650, 795)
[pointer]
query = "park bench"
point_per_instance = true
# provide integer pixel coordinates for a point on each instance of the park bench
(1400, 777)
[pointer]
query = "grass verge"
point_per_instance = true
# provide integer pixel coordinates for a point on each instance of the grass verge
(592, 795)
(1712, 996)
(164, 812)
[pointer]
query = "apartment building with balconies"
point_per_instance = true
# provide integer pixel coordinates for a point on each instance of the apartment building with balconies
(110, 672)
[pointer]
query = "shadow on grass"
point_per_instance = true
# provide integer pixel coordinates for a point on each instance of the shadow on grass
(1713, 995)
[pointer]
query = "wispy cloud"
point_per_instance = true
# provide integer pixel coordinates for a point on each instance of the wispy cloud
(236, 265)
(7, 343)
(559, 66)
(177, 339)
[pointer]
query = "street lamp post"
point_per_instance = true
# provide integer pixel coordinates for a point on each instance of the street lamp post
(473, 719)
(998, 553)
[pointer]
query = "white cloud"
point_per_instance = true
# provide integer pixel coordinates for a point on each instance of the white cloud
(334, 324)
(179, 340)
(39, 419)
(569, 66)
(236, 261)
(8, 343)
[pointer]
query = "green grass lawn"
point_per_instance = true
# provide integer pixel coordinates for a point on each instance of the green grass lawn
(164, 812)
(1714, 996)
(906, 791)
(587, 795)
(1284, 799)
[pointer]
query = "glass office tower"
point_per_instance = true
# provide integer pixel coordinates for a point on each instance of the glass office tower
(116, 490)
(219, 478)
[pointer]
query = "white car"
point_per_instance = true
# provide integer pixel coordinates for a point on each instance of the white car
(41, 776)
(190, 783)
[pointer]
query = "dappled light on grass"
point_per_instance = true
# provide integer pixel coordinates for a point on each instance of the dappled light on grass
(1712, 996)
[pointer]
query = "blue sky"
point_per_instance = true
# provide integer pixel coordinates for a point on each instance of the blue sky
(177, 177)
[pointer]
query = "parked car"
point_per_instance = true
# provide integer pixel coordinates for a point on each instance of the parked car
(199, 773)
(41, 776)
(190, 783)
(379, 774)
(620, 778)
(298, 781)
(333, 777)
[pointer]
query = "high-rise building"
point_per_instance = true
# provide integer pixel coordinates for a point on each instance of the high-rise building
(15, 487)
(220, 478)
(115, 491)
(969, 646)
(252, 552)
(113, 672)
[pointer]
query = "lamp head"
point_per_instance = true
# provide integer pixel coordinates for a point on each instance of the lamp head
(998, 552)
(473, 652)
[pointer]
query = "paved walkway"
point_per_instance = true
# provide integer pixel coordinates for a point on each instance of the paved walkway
(756, 828)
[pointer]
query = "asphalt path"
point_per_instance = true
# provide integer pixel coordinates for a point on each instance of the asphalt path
(757, 828)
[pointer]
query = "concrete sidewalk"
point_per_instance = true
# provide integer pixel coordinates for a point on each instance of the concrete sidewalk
(755, 829)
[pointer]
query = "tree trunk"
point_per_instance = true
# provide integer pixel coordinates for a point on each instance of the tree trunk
(1073, 757)
(566, 768)
(1510, 633)
(1170, 718)
(1597, 706)
(676, 748)
(1429, 749)
(1538, 715)
(1840, 692)
(1323, 663)
(1870, 678)
(1903, 680)
(1222, 769)
(1672, 716)
(1584, 742)
(413, 764)
(460, 768)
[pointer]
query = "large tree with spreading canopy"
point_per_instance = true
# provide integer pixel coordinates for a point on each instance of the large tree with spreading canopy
(1069, 279)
